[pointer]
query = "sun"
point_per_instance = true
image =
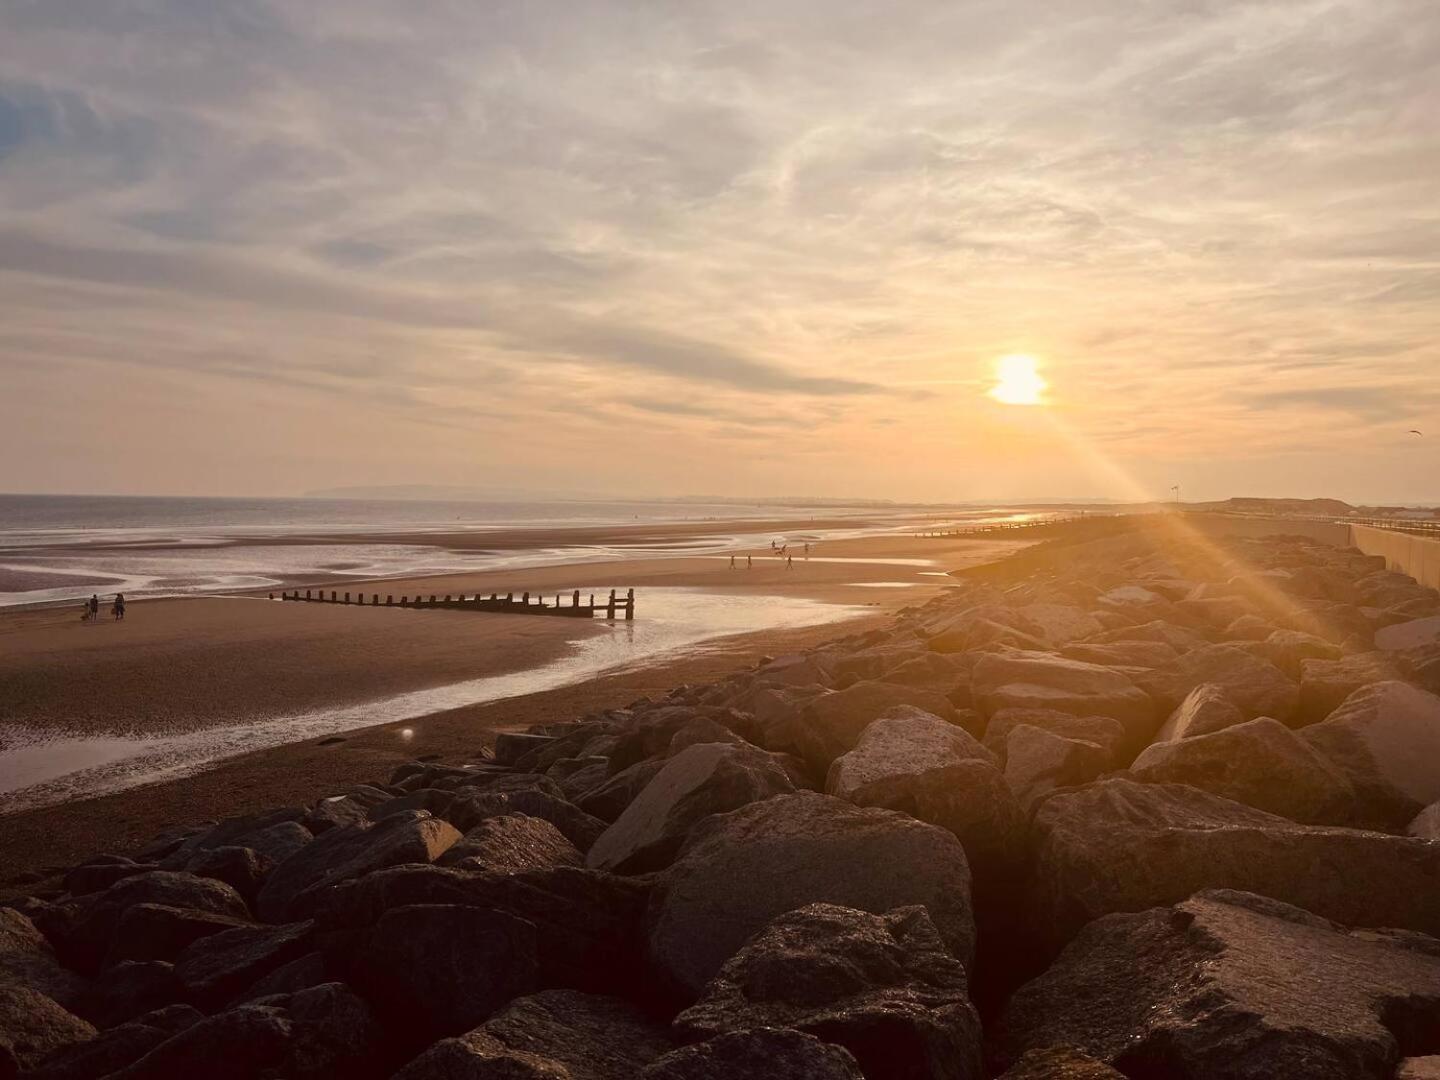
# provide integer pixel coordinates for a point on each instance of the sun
(1018, 381)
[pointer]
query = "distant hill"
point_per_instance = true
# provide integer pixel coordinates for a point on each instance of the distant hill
(1247, 505)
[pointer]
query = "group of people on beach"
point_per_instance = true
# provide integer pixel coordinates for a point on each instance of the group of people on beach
(90, 609)
(777, 549)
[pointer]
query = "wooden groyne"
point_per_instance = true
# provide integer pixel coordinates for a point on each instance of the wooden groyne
(508, 604)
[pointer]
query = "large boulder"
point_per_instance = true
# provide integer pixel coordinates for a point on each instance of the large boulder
(1325, 684)
(1253, 684)
(703, 779)
(1426, 824)
(511, 843)
(439, 969)
(242, 868)
(1038, 761)
(911, 761)
(160, 932)
(1386, 739)
(774, 1053)
(1059, 1063)
(112, 1050)
(885, 987)
(608, 801)
(741, 869)
(1204, 710)
(1288, 649)
(1134, 654)
(1103, 730)
(1027, 680)
(831, 724)
(554, 1034)
(589, 923)
(1261, 763)
(129, 990)
(27, 959)
(1118, 845)
(94, 925)
(321, 1032)
(350, 851)
(1060, 624)
(471, 807)
(274, 833)
(32, 1027)
(1412, 634)
(1233, 985)
(215, 969)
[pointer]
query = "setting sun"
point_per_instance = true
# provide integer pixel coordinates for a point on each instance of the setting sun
(1017, 380)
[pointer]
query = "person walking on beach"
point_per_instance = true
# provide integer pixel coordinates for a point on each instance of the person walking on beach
(95, 606)
(789, 562)
(749, 562)
(117, 609)
(807, 549)
(732, 562)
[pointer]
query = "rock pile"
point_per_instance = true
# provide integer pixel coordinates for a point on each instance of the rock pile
(1142, 806)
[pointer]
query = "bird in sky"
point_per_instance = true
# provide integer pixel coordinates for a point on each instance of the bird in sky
(1414, 432)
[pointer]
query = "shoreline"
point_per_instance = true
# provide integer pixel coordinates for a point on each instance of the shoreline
(38, 844)
(476, 550)
(859, 576)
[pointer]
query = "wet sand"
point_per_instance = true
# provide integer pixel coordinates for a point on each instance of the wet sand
(189, 664)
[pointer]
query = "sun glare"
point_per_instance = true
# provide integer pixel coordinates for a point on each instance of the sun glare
(1017, 380)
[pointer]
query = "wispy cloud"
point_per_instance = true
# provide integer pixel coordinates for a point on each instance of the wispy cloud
(726, 218)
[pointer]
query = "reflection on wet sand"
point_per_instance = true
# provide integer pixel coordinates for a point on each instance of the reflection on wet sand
(41, 770)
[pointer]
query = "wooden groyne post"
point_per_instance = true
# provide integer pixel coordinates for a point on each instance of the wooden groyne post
(525, 605)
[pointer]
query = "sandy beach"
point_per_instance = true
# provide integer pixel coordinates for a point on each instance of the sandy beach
(184, 667)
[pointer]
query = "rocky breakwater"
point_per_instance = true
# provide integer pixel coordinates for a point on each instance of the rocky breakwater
(1136, 807)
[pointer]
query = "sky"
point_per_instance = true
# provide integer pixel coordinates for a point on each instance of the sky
(741, 248)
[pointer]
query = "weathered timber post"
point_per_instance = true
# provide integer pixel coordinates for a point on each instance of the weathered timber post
(630, 605)
(575, 598)
(610, 607)
(447, 598)
(332, 596)
(307, 594)
(432, 598)
(347, 597)
(525, 599)
(389, 599)
(404, 600)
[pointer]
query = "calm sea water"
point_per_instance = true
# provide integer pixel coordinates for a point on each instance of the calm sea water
(58, 548)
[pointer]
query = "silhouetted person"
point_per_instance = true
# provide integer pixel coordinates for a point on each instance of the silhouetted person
(749, 562)
(94, 605)
(118, 608)
(732, 562)
(789, 562)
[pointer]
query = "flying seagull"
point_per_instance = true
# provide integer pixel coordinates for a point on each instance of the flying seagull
(1414, 432)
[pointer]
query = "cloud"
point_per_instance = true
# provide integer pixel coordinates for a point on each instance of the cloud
(732, 215)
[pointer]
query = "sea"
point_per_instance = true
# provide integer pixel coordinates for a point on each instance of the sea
(57, 548)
